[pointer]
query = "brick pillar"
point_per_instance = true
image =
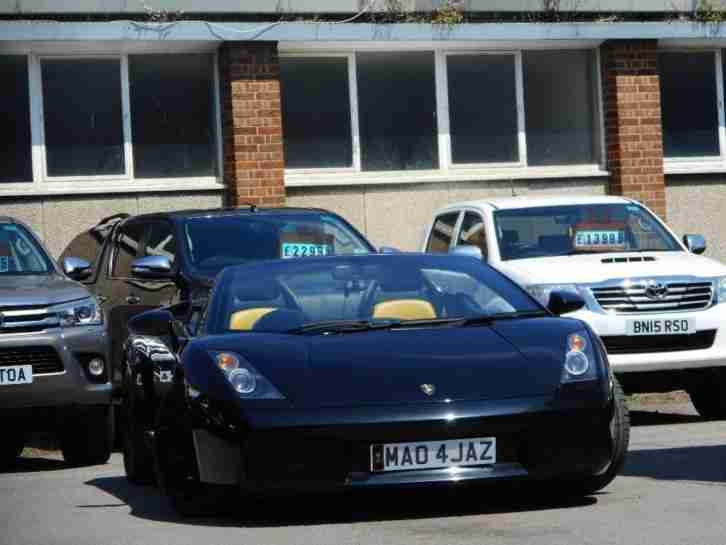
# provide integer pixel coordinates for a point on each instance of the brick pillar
(633, 121)
(252, 123)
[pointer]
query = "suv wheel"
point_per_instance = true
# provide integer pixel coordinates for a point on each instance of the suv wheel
(11, 448)
(138, 461)
(89, 442)
(709, 395)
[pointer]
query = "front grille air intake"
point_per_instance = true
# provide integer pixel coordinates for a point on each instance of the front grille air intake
(44, 359)
(633, 298)
(643, 344)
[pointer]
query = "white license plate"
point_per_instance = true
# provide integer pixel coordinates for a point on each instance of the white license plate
(433, 454)
(661, 326)
(17, 374)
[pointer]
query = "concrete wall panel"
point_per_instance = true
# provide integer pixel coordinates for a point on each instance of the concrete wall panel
(348, 202)
(167, 202)
(28, 211)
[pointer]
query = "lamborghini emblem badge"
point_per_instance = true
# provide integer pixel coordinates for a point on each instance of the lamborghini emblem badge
(428, 389)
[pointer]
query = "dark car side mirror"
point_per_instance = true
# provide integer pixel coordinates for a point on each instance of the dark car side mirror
(562, 302)
(152, 267)
(152, 323)
(696, 244)
(77, 269)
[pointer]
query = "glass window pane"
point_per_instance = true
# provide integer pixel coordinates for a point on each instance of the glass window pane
(473, 232)
(316, 112)
(15, 156)
(688, 104)
(128, 243)
(482, 108)
(172, 115)
(397, 110)
(83, 121)
(442, 232)
(559, 105)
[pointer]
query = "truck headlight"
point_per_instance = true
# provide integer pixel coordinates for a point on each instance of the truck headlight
(78, 313)
(542, 292)
(721, 290)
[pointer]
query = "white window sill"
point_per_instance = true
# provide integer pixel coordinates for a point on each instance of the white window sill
(347, 178)
(109, 187)
(694, 167)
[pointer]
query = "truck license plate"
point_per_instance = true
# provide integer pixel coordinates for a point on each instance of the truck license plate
(16, 374)
(661, 326)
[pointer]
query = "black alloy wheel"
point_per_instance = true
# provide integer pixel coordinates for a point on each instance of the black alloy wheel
(87, 438)
(12, 447)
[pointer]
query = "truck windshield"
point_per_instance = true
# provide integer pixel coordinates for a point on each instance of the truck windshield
(215, 242)
(579, 229)
(19, 253)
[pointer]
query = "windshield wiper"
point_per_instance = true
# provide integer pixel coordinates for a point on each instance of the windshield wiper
(343, 326)
(490, 318)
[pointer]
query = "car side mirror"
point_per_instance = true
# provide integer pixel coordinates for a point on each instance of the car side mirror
(469, 251)
(152, 323)
(152, 267)
(696, 244)
(563, 302)
(77, 269)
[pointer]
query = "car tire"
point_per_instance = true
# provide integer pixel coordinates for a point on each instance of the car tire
(138, 458)
(709, 395)
(12, 448)
(175, 461)
(90, 441)
(620, 428)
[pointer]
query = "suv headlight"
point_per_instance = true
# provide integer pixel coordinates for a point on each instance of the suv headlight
(246, 381)
(542, 292)
(580, 363)
(721, 290)
(78, 313)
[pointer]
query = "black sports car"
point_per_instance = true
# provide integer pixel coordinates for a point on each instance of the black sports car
(381, 370)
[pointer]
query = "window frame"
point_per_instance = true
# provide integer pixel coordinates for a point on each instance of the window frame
(43, 184)
(447, 170)
(708, 163)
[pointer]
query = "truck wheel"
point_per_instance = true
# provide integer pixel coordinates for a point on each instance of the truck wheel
(138, 460)
(620, 429)
(709, 396)
(12, 447)
(90, 440)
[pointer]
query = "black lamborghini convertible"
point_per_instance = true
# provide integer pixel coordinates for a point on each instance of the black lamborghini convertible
(379, 370)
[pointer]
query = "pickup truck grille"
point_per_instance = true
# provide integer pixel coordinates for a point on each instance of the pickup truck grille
(633, 298)
(44, 359)
(26, 319)
(644, 344)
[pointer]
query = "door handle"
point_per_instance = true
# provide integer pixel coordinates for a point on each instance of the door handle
(133, 300)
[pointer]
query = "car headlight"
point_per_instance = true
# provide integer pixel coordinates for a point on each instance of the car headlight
(542, 292)
(721, 290)
(84, 312)
(246, 381)
(580, 363)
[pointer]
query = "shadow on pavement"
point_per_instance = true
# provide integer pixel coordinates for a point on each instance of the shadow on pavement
(34, 465)
(703, 463)
(359, 506)
(658, 418)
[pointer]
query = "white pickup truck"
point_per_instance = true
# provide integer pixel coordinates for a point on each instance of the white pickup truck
(659, 308)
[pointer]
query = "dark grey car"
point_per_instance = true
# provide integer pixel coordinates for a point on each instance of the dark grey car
(53, 352)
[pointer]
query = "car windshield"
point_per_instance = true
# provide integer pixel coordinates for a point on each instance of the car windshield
(215, 242)
(20, 253)
(580, 229)
(362, 292)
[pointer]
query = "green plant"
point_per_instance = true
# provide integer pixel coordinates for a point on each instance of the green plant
(448, 14)
(707, 12)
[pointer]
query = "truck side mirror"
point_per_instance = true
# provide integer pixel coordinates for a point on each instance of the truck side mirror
(77, 269)
(696, 244)
(468, 250)
(152, 267)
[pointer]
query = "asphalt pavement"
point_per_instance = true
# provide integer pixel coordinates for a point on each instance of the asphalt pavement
(672, 491)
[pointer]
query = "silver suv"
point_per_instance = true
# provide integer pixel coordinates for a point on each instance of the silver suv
(53, 352)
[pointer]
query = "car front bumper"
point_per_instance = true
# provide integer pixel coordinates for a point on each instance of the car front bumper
(290, 450)
(65, 387)
(673, 353)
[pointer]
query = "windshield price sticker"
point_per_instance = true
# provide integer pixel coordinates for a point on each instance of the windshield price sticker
(301, 249)
(600, 238)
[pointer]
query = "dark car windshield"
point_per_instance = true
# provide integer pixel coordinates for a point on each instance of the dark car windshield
(363, 291)
(576, 229)
(215, 242)
(19, 253)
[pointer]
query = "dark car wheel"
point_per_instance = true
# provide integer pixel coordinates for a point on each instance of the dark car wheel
(709, 395)
(175, 461)
(88, 440)
(138, 459)
(620, 428)
(12, 446)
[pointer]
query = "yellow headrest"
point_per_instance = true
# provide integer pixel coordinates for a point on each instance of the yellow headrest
(405, 309)
(245, 320)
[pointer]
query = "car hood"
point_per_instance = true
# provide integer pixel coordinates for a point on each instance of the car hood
(594, 268)
(506, 360)
(46, 289)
